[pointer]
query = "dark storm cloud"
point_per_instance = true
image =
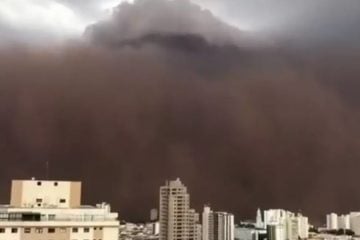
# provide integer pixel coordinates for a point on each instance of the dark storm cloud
(315, 21)
(132, 21)
(245, 127)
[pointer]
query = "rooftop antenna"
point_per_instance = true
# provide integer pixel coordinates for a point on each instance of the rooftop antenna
(47, 170)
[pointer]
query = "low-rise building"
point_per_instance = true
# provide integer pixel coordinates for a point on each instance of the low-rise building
(140, 231)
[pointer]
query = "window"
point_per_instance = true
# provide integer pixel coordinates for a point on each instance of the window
(15, 216)
(51, 230)
(39, 183)
(4, 216)
(27, 230)
(62, 230)
(86, 230)
(14, 230)
(62, 200)
(39, 200)
(2, 230)
(51, 217)
(38, 230)
(75, 230)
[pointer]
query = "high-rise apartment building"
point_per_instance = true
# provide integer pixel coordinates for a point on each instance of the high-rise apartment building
(335, 222)
(217, 225)
(177, 220)
(355, 222)
(303, 225)
(332, 221)
(285, 225)
(45, 210)
(344, 221)
(207, 224)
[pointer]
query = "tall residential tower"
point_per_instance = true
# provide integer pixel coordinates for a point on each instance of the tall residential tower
(177, 220)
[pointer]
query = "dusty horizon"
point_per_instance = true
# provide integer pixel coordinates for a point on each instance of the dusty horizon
(249, 111)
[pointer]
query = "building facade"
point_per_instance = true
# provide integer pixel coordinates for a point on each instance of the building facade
(332, 221)
(344, 221)
(355, 222)
(303, 225)
(44, 210)
(259, 219)
(285, 225)
(177, 220)
(217, 225)
(195, 226)
(207, 224)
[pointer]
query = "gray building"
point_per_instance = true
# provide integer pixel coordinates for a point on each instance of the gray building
(177, 220)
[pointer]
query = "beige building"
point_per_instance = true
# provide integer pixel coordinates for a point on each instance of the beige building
(195, 226)
(217, 225)
(177, 220)
(52, 210)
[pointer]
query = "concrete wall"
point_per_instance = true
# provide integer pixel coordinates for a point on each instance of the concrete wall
(34, 193)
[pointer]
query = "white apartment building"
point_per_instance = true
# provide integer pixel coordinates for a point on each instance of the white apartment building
(52, 210)
(275, 216)
(276, 221)
(303, 226)
(335, 222)
(177, 220)
(207, 224)
(344, 221)
(355, 222)
(217, 225)
(285, 225)
(332, 221)
(292, 227)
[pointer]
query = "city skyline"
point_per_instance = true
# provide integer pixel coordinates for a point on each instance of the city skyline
(331, 221)
(61, 194)
(252, 103)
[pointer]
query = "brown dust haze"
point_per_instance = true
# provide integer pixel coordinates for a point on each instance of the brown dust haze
(246, 123)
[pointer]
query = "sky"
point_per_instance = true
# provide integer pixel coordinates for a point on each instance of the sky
(55, 20)
(256, 98)
(34, 20)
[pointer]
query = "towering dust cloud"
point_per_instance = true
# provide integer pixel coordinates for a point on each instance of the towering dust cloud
(164, 89)
(133, 21)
